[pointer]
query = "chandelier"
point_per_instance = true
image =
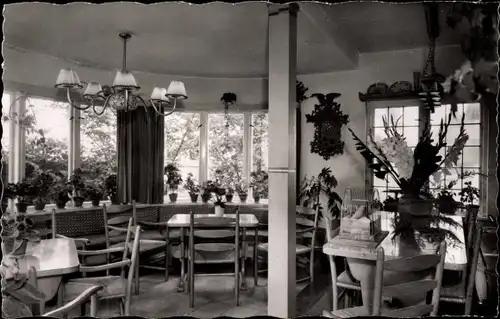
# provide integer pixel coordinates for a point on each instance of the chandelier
(123, 94)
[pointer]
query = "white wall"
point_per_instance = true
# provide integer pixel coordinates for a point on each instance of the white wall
(387, 67)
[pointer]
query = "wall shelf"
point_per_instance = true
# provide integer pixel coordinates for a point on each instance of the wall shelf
(389, 96)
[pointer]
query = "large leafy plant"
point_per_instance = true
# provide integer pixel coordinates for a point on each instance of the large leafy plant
(174, 178)
(323, 184)
(259, 182)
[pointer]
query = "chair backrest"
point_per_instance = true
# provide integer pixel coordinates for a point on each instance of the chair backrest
(115, 226)
(214, 222)
(470, 222)
(413, 288)
(307, 220)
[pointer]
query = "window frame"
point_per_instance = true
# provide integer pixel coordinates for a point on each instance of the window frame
(424, 118)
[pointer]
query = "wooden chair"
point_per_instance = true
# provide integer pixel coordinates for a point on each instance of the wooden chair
(81, 243)
(89, 295)
(215, 252)
(306, 236)
(463, 291)
(147, 247)
(413, 289)
(115, 287)
(343, 280)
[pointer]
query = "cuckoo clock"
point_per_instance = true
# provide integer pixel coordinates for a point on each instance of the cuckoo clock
(328, 120)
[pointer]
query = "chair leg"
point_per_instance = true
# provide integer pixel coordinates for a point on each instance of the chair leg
(191, 283)
(256, 267)
(167, 255)
(93, 306)
(122, 307)
(137, 278)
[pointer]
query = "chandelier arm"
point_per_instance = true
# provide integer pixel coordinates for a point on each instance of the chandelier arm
(155, 107)
(103, 107)
(68, 96)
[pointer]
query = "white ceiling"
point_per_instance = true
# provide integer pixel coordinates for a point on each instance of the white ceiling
(211, 40)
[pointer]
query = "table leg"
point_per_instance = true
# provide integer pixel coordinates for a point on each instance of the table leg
(256, 257)
(167, 253)
(243, 273)
(180, 288)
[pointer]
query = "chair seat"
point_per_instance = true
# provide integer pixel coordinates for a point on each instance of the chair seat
(152, 234)
(114, 287)
(344, 281)
(299, 249)
(453, 294)
(145, 246)
(214, 233)
(261, 233)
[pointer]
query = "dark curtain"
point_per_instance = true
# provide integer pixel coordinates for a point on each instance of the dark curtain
(140, 156)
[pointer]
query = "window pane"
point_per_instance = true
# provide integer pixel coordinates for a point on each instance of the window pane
(471, 157)
(260, 144)
(182, 146)
(458, 115)
(378, 115)
(397, 114)
(410, 115)
(474, 132)
(472, 113)
(411, 135)
(379, 182)
(379, 134)
(47, 144)
(452, 134)
(98, 145)
(474, 178)
(5, 137)
(438, 115)
(225, 145)
(381, 192)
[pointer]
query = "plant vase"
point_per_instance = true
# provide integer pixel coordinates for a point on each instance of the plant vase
(39, 206)
(61, 204)
(194, 197)
(21, 207)
(205, 198)
(173, 197)
(243, 198)
(78, 201)
(447, 205)
(95, 202)
(229, 198)
(256, 199)
(219, 211)
(409, 204)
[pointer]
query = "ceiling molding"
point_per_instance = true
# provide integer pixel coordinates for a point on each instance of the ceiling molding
(317, 14)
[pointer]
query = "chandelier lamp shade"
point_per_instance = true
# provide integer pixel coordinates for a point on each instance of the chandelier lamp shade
(123, 94)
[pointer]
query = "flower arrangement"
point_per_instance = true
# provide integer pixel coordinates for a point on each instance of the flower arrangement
(40, 186)
(174, 179)
(111, 188)
(206, 193)
(411, 171)
(241, 189)
(469, 195)
(16, 229)
(78, 187)
(22, 192)
(192, 187)
(95, 193)
(229, 192)
(259, 182)
(59, 193)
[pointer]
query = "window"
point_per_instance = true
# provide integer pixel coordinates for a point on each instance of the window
(260, 143)
(47, 141)
(225, 145)
(182, 147)
(407, 119)
(470, 160)
(5, 137)
(98, 155)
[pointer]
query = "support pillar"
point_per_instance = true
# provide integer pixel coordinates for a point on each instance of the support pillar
(74, 152)
(17, 154)
(282, 160)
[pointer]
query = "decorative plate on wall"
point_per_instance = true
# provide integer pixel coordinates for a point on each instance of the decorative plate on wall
(378, 88)
(400, 87)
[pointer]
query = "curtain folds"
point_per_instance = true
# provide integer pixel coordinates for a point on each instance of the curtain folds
(140, 156)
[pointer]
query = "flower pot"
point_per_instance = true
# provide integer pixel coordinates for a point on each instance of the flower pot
(219, 211)
(413, 205)
(78, 202)
(447, 205)
(194, 197)
(173, 197)
(39, 206)
(256, 199)
(22, 207)
(95, 202)
(61, 204)
(205, 198)
(229, 198)
(243, 198)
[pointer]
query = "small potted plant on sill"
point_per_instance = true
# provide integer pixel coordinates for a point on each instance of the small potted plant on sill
(445, 202)
(219, 191)
(192, 187)
(110, 188)
(242, 190)
(95, 194)
(206, 193)
(174, 179)
(469, 195)
(78, 187)
(259, 183)
(59, 193)
(229, 194)
(40, 186)
(21, 192)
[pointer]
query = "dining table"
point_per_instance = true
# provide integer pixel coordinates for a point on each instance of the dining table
(182, 222)
(52, 259)
(362, 259)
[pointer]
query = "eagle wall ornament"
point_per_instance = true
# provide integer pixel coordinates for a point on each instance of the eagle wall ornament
(328, 120)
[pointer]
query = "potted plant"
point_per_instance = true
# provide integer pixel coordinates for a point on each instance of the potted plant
(174, 179)
(219, 191)
(469, 195)
(110, 189)
(40, 186)
(77, 187)
(229, 194)
(95, 194)
(192, 187)
(242, 190)
(21, 192)
(59, 193)
(259, 182)
(206, 193)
